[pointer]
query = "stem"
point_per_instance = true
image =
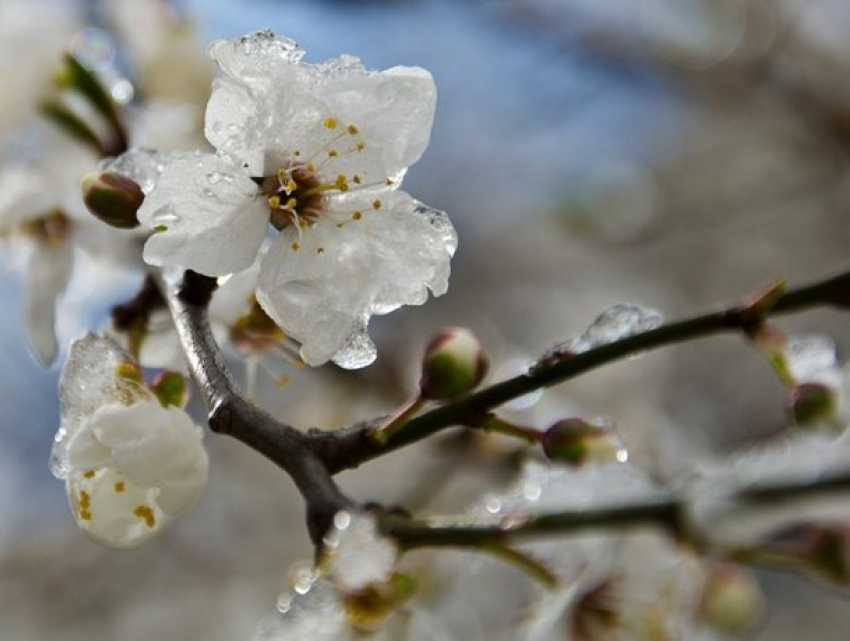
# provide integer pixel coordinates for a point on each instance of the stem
(382, 433)
(526, 562)
(500, 426)
(231, 414)
(666, 511)
(349, 449)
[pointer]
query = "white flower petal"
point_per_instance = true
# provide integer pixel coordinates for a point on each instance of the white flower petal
(89, 383)
(323, 292)
(132, 469)
(48, 274)
(207, 214)
(253, 56)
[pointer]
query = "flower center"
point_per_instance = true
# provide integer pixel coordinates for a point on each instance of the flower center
(296, 195)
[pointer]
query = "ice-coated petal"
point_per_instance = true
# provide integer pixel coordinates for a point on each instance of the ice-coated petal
(377, 123)
(252, 56)
(143, 166)
(205, 215)
(387, 250)
(89, 383)
(356, 554)
(47, 276)
(132, 469)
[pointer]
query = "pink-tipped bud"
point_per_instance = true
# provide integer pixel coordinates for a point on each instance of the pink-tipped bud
(454, 364)
(812, 404)
(576, 442)
(112, 198)
(732, 599)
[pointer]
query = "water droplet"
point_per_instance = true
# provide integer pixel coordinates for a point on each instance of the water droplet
(615, 323)
(165, 216)
(209, 193)
(532, 491)
(812, 358)
(492, 504)
(216, 177)
(342, 520)
(121, 91)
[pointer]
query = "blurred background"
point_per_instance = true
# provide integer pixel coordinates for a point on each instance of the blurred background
(675, 154)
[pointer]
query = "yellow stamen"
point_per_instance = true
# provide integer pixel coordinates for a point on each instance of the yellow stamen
(296, 246)
(352, 129)
(89, 474)
(357, 215)
(119, 487)
(274, 202)
(333, 153)
(356, 179)
(320, 250)
(330, 122)
(376, 204)
(145, 513)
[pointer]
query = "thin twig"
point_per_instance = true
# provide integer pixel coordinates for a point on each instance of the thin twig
(349, 448)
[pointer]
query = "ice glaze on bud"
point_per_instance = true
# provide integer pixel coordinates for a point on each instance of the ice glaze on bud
(812, 403)
(575, 441)
(732, 599)
(112, 198)
(454, 364)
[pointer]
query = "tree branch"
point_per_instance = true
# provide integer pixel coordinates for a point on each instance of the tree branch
(348, 448)
(231, 414)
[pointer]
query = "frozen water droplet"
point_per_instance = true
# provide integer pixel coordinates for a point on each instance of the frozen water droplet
(141, 165)
(492, 504)
(358, 554)
(342, 520)
(813, 359)
(121, 91)
(358, 351)
(216, 177)
(615, 323)
(208, 193)
(532, 491)
(165, 216)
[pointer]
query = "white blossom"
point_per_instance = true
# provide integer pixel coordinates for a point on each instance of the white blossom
(317, 151)
(130, 465)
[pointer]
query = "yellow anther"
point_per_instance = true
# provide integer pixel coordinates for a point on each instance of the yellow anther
(330, 122)
(290, 186)
(119, 487)
(89, 474)
(296, 152)
(145, 513)
(283, 380)
(274, 202)
(85, 515)
(356, 179)
(360, 146)
(320, 250)
(376, 204)
(85, 500)
(340, 225)
(311, 167)
(352, 129)
(341, 182)
(357, 215)
(296, 246)
(292, 203)
(333, 153)
(390, 182)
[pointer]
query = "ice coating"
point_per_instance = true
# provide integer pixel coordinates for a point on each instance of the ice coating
(143, 166)
(312, 155)
(614, 324)
(89, 382)
(310, 610)
(813, 359)
(356, 553)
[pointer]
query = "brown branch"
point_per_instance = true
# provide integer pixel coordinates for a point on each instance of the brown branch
(231, 414)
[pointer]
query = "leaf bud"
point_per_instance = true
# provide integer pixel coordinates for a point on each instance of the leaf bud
(112, 198)
(576, 442)
(732, 599)
(812, 403)
(454, 364)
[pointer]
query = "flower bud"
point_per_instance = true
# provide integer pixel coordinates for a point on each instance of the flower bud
(454, 364)
(732, 599)
(812, 403)
(575, 441)
(112, 198)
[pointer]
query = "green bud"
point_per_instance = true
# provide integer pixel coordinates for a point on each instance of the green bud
(170, 389)
(575, 441)
(732, 599)
(454, 364)
(112, 198)
(812, 403)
